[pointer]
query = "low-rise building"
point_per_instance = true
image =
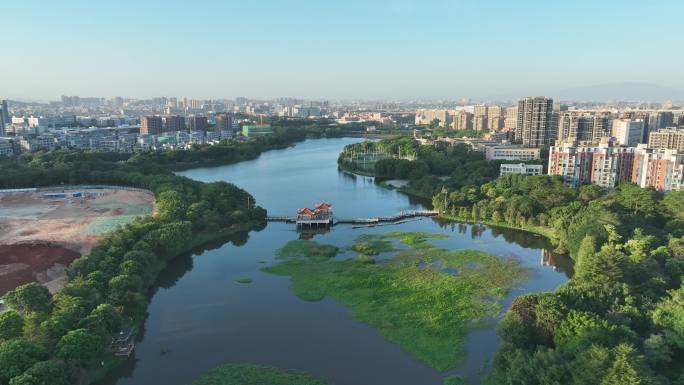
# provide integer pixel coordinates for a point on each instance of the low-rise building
(257, 130)
(512, 153)
(521, 168)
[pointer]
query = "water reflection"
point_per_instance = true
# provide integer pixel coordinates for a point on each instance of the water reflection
(169, 278)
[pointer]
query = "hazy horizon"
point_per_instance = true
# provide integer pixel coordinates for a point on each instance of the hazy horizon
(387, 50)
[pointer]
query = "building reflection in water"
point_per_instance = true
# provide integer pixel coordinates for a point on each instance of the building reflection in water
(547, 259)
(310, 233)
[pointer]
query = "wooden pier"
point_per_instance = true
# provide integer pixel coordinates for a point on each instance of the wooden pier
(331, 221)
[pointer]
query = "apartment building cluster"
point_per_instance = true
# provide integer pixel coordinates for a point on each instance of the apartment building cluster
(118, 139)
(479, 118)
(539, 122)
(532, 122)
(658, 164)
(153, 133)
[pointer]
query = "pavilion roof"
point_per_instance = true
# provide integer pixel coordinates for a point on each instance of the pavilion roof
(305, 211)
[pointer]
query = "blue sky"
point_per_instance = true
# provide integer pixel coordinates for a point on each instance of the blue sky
(335, 49)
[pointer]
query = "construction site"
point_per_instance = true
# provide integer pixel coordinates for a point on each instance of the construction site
(43, 230)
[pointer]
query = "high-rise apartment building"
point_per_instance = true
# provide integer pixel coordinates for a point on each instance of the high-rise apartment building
(576, 126)
(494, 111)
(661, 169)
(196, 104)
(680, 121)
(573, 126)
(628, 132)
(665, 119)
(480, 109)
(5, 112)
(607, 164)
(511, 121)
(481, 117)
(151, 125)
(495, 123)
(480, 123)
(3, 130)
(462, 120)
(425, 116)
(224, 122)
(495, 118)
(667, 138)
(198, 123)
(535, 126)
(174, 123)
(603, 126)
(604, 164)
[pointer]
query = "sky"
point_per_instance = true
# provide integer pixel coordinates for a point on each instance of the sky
(345, 49)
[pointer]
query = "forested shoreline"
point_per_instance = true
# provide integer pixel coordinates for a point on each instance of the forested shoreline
(427, 168)
(620, 319)
(61, 339)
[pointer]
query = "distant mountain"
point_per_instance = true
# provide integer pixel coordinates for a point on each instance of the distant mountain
(626, 92)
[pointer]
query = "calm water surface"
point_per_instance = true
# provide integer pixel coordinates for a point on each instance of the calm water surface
(200, 317)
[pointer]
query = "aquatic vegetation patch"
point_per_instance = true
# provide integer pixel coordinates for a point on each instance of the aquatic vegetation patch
(365, 259)
(309, 249)
(454, 380)
(415, 239)
(248, 374)
(372, 244)
(365, 248)
(244, 280)
(426, 311)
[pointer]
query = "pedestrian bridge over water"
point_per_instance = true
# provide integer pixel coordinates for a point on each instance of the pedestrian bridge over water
(331, 221)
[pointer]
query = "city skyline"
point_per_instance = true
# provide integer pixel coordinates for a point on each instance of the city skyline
(386, 50)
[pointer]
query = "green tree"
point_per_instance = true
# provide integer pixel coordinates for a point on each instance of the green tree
(11, 325)
(51, 372)
(103, 320)
(69, 308)
(627, 369)
(550, 312)
(586, 251)
(16, 356)
(198, 210)
(674, 203)
(28, 298)
(79, 345)
(657, 350)
(171, 206)
(578, 324)
(669, 315)
(590, 365)
(607, 266)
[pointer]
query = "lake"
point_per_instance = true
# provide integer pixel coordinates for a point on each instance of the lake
(200, 317)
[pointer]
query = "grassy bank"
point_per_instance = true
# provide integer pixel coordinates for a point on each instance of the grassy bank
(423, 298)
(247, 374)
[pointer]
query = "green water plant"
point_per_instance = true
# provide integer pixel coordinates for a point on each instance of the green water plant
(425, 299)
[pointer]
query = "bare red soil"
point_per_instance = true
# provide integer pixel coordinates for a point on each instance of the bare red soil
(20, 263)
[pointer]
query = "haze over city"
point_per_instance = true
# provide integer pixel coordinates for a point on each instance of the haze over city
(386, 49)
